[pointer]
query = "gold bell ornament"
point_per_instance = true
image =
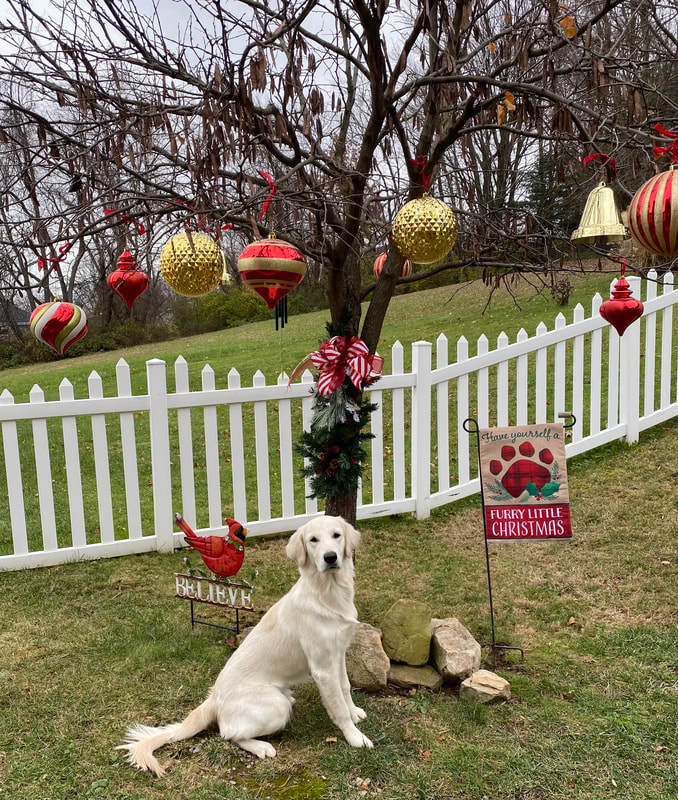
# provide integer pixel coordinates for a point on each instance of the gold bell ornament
(192, 264)
(601, 222)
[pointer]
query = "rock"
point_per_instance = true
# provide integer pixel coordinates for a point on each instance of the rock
(485, 687)
(409, 677)
(366, 662)
(407, 632)
(455, 653)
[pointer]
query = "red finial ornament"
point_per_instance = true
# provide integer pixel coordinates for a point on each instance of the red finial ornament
(622, 309)
(127, 281)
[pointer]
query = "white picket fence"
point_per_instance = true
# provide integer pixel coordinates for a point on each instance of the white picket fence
(102, 476)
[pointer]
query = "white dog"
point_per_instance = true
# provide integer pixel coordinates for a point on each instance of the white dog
(304, 636)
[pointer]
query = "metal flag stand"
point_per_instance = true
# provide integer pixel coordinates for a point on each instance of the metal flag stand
(470, 425)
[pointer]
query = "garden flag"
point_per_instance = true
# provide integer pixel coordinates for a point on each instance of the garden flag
(524, 482)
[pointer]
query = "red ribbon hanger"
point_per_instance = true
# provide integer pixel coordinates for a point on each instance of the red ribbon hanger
(271, 193)
(672, 148)
(423, 163)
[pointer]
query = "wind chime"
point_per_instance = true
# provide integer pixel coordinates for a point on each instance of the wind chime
(272, 267)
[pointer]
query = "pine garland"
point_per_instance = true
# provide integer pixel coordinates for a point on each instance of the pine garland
(333, 447)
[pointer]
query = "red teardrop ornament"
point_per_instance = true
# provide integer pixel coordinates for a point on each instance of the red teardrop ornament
(622, 308)
(127, 281)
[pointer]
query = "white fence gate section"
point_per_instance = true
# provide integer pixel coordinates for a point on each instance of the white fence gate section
(103, 476)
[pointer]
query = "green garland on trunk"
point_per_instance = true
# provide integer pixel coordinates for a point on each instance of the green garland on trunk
(333, 447)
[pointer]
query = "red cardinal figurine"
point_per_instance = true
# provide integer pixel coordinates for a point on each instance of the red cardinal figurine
(222, 554)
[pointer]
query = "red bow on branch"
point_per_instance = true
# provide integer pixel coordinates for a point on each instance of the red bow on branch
(126, 220)
(43, 260)
(672, 148)
(340, 357)
(606, 160)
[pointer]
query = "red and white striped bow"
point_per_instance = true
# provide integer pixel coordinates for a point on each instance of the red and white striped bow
(338, 357)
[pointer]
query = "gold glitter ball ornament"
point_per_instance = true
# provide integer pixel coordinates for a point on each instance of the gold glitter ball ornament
(191, 264)
(425, 230)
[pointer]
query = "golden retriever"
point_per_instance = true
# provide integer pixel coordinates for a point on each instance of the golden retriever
(304, 636)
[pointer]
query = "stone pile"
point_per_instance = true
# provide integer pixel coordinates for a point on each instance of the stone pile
(414, 650)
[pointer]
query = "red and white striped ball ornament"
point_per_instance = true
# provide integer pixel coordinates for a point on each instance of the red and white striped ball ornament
(272, 268)
(653, 214)
(379, 262)
(58, 324)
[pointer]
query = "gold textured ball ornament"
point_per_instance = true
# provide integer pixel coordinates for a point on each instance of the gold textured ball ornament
(425, 230)
(191, 264)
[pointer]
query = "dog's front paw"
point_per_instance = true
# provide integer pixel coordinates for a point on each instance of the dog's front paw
(357, 714)
(357, 739)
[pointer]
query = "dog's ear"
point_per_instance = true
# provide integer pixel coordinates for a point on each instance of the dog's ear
(351, 539)
(296, 547)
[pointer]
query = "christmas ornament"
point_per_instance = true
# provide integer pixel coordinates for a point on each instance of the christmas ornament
(379, 262)
(127, 281)
(272, 268)
(222, 554)
(58, 324)
(425, 230)
(600, 223)
(192, 264)
(622, 308)
(653, 214)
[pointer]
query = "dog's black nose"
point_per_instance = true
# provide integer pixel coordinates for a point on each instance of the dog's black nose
(330, 558)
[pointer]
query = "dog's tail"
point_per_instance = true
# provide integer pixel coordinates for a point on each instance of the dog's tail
(142, 741)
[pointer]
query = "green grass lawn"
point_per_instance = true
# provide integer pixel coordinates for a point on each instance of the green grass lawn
(88, 648)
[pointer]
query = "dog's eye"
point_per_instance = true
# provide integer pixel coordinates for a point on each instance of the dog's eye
(336, 536)
(313, 539)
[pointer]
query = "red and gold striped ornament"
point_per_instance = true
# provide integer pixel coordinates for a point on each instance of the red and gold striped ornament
(653, 214)
(272, 268)
(58, 324)
(379, 262)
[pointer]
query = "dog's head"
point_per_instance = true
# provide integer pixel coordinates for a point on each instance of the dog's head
(324, 542)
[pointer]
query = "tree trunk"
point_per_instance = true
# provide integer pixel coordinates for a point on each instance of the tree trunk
(343, 506)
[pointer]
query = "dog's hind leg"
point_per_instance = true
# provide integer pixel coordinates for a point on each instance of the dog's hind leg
(253, 712)
(260, 748)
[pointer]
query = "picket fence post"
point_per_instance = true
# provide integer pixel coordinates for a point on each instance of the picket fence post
(421, 429)
(629, 374)
(160, 455)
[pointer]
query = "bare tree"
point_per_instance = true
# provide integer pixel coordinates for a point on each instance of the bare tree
(338, 100)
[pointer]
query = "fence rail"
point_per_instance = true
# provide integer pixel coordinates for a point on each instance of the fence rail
(102, 476)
